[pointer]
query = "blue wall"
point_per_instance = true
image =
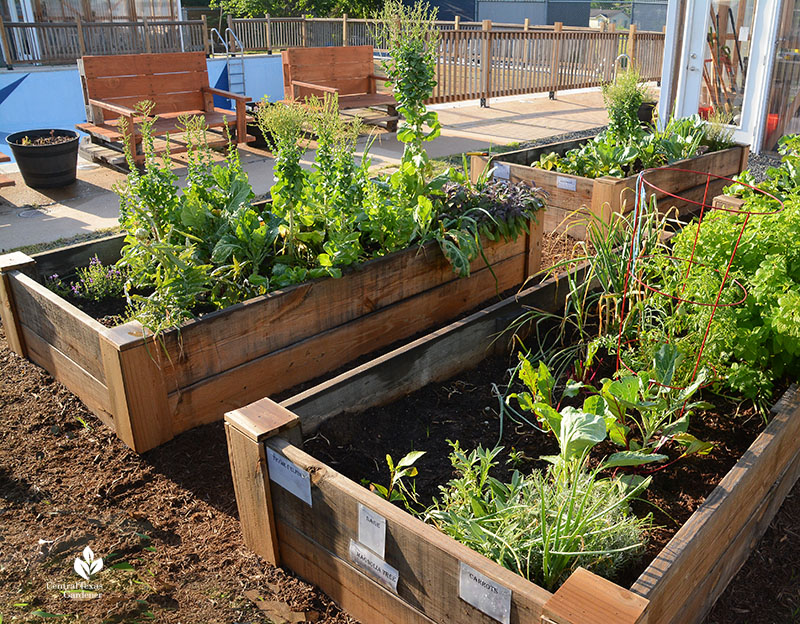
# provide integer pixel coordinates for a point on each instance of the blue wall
(51, 97)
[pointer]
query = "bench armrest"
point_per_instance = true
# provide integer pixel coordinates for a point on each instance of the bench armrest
(113, 108)
(309, 85)
(376, 77)
(227, 94)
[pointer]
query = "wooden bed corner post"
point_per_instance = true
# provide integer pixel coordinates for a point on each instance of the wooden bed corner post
(745, 157)
(246, 429)
(533, 245)
(15, 261)
(586, 598)
(606, 194)
(138, 392)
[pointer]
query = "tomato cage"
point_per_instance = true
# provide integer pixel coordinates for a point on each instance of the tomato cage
(667, 277)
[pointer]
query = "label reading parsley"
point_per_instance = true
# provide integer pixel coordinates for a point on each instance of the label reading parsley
(484, 594)
(289, 476)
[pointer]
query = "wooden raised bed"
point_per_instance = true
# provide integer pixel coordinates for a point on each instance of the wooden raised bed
(150, 391)
(679, 586)
(572, 197)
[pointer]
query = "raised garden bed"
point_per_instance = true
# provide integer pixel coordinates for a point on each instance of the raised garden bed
(149, 391)
(316, 540)
(571, 197)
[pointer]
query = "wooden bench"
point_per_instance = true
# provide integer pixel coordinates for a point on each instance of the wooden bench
(4, 179)
(176, 83)
(346, 71)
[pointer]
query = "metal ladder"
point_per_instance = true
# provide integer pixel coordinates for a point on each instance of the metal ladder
(234, 59)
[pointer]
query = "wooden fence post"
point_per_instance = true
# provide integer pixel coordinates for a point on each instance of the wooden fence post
(246, 430)
(269, 35)
(304, 32)
(81, 41)
(146, 29)
(231, 41)
(555, 63)
(206, 41)
(4, 41)
(345, 30)
(526, 27)
(457, 23)
(486, 62)
(15, 261)
(631, 45)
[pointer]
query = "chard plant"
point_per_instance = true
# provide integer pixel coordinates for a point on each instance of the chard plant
(641, 413)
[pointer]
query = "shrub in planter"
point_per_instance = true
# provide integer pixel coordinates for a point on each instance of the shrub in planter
(46, 158)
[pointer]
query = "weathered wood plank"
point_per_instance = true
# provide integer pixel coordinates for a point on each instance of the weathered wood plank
(708, 590)
(251, 484)
(64, 260)
(427, 560)
(323, 352)
(586, 598)
(433, 357)
(699, 544)
(88, 388)
(357, 594)
(240, 333)
(61, 324)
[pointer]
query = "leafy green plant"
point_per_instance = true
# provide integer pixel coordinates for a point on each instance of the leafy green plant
(623, 153)
(641, 413)
(545, 524)
(622, 98)
(410, 36)
(398, 490)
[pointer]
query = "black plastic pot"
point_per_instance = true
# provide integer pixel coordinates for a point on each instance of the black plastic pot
(46, 166)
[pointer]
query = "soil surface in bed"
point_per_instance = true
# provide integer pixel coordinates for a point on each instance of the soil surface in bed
(466, 409)
(171, 514)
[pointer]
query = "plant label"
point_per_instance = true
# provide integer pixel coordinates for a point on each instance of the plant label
(374, 567)
(501, 171)
(566, 184)
(484, 594)
(372, 530)
(289, 476)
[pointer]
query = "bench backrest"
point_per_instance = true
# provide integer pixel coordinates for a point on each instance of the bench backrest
(345, 68)
(174, 81)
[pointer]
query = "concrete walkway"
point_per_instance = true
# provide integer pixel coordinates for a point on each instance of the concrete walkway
(29, 217)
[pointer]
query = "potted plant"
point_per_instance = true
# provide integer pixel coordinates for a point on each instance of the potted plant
(46, 158)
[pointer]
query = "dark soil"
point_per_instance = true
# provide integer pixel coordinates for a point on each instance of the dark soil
(466, 409)
(47, 140)
(170, 514)
(110, 311)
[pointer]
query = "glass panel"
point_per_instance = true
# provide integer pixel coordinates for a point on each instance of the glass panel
(726, 59)
(784, 93)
